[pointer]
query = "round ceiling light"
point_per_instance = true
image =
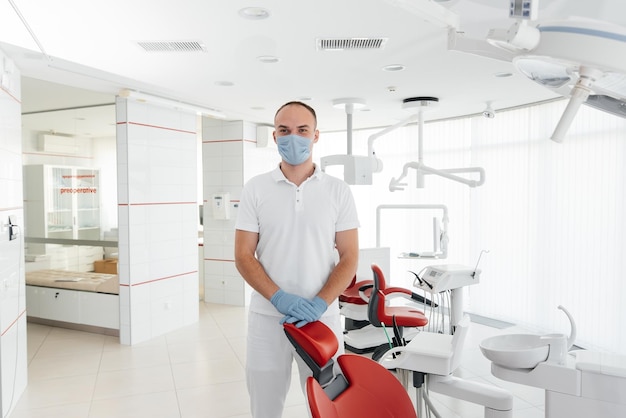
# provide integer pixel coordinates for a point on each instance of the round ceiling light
(268, 59)
(254, 13)
(394, 67)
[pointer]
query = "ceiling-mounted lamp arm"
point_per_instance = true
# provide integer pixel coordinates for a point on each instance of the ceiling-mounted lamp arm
(580, 93)
(395, 183)
(449, 173)
(373, 137)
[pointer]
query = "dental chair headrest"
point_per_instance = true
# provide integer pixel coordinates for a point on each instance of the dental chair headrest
(316, 339)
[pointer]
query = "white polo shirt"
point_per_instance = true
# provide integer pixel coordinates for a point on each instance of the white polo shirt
(296, 227)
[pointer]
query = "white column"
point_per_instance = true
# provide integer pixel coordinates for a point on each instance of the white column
(157, 198)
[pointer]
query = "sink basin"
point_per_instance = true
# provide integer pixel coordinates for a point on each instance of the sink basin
(515, 351)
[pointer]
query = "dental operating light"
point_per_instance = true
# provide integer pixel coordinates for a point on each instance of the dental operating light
(582, 59)
(421, 104)
(358, 169)
(579, 58)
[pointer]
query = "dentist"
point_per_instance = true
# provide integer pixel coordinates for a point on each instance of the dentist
(296, 245)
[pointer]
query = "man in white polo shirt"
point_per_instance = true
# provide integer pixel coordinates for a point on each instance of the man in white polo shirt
(296, 244)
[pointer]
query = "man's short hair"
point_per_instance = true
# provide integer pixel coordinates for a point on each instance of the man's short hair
(295, 102)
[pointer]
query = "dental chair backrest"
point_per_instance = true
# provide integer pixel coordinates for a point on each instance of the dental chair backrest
(364, 388)
(381, 314)
(353, 292)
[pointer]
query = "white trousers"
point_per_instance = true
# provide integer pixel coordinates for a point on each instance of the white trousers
(269, 359)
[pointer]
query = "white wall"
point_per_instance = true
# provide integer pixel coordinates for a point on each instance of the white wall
(13, 350)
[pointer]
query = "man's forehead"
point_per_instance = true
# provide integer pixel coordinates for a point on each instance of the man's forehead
(294, 119)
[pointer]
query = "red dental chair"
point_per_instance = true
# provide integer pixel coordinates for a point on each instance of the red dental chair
(353, 303)
(382, 314)
(364, 388)
(360, 335)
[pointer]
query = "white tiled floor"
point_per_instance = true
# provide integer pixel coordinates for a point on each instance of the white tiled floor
(197, 371)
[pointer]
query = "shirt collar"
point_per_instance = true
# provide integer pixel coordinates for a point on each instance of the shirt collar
(277, 174)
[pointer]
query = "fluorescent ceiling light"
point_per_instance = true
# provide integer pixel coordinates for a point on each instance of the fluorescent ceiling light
(174, 104)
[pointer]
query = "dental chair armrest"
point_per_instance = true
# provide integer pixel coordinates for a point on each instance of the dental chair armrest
(391, 290)
(399, 292)
(363, 292)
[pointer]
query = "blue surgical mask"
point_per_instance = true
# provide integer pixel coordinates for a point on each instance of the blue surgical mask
(294, 149)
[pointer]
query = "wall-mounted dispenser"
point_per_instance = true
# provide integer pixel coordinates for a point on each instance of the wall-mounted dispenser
(220, 205)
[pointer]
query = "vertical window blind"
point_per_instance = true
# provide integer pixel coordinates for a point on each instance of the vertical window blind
(552, 216)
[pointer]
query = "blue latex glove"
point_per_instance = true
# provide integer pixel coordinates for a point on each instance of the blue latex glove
(318, 306)
(293, 306)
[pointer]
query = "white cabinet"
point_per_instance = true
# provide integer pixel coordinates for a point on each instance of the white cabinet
(62, 202)
(73, 306)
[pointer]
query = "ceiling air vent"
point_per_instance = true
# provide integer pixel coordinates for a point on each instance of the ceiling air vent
(172, 46)
(339, 44)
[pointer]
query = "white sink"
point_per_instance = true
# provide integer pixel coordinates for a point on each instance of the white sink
(515, 351)
(525, 351)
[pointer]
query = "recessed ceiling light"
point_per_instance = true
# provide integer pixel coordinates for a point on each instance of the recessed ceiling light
(254, 13)
(503, 74)
(305, 99)
(257, 108)
(224, 83)
(268, 59)
(394, 67)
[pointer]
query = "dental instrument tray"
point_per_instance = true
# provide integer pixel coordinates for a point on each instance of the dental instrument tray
(439, 278)
(422, 254)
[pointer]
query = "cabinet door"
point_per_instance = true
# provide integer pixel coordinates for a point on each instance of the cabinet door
(100, 310)
(87, 222)
(59, 202)
(59, 305)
